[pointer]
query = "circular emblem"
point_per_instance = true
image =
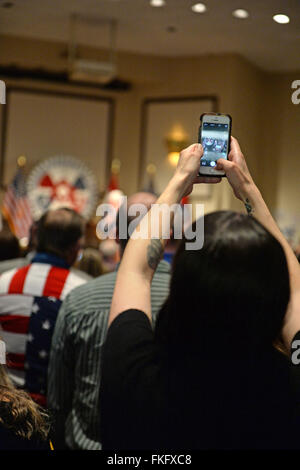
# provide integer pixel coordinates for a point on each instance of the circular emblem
(61, 181)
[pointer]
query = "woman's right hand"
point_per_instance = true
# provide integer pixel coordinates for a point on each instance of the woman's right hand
(237, 171)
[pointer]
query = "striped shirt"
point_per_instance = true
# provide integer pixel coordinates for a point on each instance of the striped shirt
(30, 298)
(74, 369)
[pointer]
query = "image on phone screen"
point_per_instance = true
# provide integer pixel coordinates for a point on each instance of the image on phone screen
(214, 139)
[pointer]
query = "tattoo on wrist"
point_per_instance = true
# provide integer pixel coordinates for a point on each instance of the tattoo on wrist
(248, 206)
(154, 252)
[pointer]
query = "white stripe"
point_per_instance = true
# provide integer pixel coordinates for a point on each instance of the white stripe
(71, 282)
(17, 376)
(5, 279)
(11, 204)
(26, 211)
(15, 342)
(16, 304)
(36, 279)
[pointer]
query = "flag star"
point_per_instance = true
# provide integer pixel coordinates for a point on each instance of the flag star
(35, 308)
(43, 354)
(26, 366)
(30, 337)
(52, 299)
(46, 325)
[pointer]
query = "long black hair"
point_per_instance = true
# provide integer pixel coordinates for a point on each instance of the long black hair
(229, 297)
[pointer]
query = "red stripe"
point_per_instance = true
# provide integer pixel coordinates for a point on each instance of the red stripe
(15, 361)
(14, 323)
(55, 282)
(18, 210)
(39, 399)
(17, 283)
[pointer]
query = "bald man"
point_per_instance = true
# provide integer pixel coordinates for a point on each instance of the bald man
(31, 297)
(74, 369)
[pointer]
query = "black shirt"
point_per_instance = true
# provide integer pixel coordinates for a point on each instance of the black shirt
(150, 400)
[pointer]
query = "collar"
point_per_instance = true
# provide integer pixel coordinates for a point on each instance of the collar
(48, 258)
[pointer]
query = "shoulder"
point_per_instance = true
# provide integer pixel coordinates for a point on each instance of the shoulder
(129, 329)
(12, 264)
(5, 279)
(92, 295)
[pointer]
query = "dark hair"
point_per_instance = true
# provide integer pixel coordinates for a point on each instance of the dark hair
(231, 296)
(9, 245)
(59, 230)
(91, 262)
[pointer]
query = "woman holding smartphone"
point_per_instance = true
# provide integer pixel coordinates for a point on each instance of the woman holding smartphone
(209, 376)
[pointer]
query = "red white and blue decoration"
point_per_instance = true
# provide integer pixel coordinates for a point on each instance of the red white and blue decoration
(62, 181)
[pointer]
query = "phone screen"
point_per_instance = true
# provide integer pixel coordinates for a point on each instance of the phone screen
(214, 139)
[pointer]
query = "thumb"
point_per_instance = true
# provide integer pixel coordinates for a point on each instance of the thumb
(223, 164)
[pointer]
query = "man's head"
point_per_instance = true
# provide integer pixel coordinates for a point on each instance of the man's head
(138, 198)
(60, 232)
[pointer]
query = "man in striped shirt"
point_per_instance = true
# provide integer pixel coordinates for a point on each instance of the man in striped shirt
(30, 298)
(74, 369)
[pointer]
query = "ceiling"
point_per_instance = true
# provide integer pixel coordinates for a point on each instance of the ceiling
(144, 29)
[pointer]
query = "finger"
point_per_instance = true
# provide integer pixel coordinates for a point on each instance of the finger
(235, 148)
(193, 148)
(224, 165)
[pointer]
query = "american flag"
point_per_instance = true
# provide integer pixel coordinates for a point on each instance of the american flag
(30, 298)
(16, 208)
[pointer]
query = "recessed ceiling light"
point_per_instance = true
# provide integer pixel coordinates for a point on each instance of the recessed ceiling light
(199, 8)
(240, 13)
(282, 19)
(157, 3)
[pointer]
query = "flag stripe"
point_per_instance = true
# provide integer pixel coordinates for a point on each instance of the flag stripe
(72, 281)
(36, 278)
(15, 304)
(14, 323)
(5, 279)
(55, 282)
(18, 280)
(15, 342)
(15, 361)
(38, 398)
(16, 207)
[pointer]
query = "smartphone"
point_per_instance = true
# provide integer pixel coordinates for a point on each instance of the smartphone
(214, 135)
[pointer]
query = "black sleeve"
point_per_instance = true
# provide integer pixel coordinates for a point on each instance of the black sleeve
(130, 332)
(129, 382)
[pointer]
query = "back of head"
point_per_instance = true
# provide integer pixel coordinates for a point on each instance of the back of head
(91, 262)
(59, 232)
(230, 296)
(9, 245)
